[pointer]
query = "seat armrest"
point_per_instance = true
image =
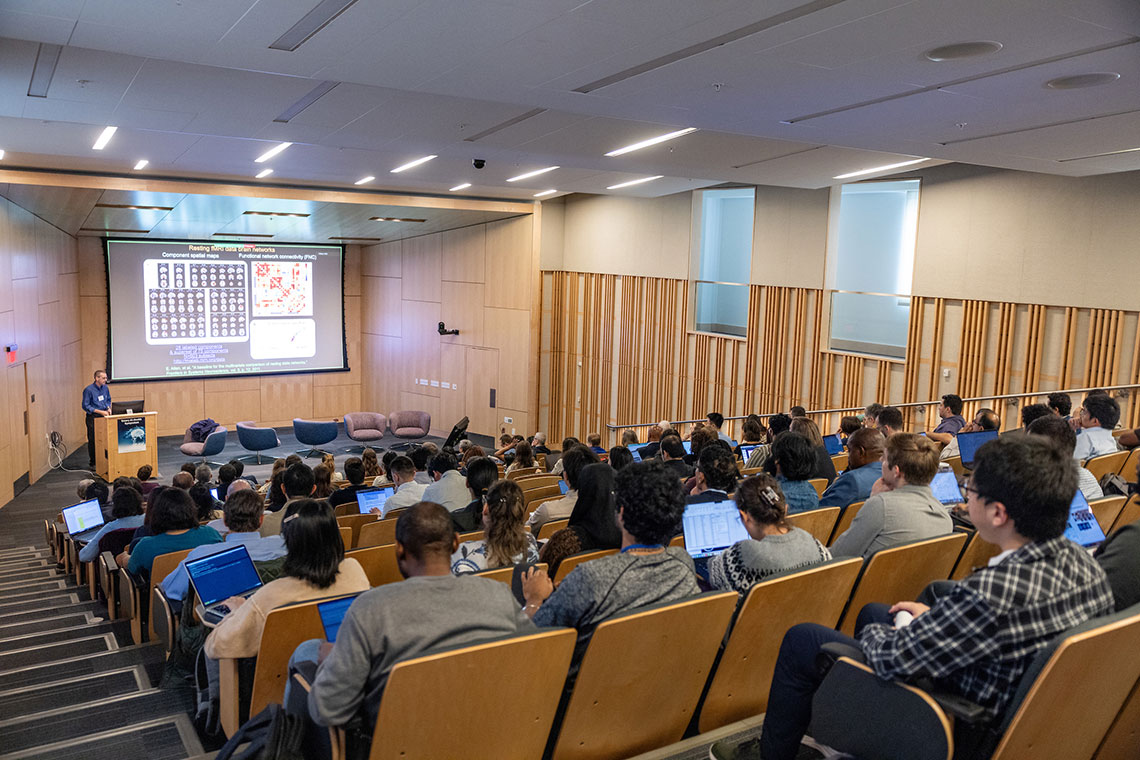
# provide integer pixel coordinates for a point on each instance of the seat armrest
(830, 652)
(957, 706)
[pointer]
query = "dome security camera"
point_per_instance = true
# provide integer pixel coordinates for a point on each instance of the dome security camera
(478, 163)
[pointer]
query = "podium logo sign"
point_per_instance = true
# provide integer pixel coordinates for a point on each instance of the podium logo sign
(132, 434)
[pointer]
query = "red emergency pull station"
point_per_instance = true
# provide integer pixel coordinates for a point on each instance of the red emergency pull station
(10, 353)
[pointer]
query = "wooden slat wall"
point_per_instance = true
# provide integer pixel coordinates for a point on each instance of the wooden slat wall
(661, 370)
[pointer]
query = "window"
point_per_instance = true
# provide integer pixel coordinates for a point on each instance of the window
(872, 267)
(724, 261)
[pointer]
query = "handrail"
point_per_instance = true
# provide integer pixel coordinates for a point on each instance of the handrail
(908, 405)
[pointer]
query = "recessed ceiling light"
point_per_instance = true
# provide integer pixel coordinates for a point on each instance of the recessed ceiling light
(264, 173)
(272, 152)
(306, 100)
(141, 164)
(534, 173)
(114, 231)
(358, 239)
(104, 138)
(364, 180)
(463, 186)
(311, 23)
(960, 50)
(411, 164)
(1100, 155)
(875, 169)
(545, 192)
(1080, 81)
(393, 219)
(632, 182)
(276, 213)
(652, 141)
(240, 235)
(47, 57)
(134, 208)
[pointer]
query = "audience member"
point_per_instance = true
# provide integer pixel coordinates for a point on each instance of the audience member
(354, 472)
(979, 638)
(538, 444)
(902, 507)
(1031, 412)
(506, 445)
(473, 451)
(239, 468)
(871, 415)
(275, 472)
(506, 540)
(673, 457)
(322, 481)
(629, 438)
(174, 527)
(126, 512)
(182, 480)
(847, 427)
(203, 474)
(481, 473)
(371, 464)
(297, 482)
(431, 609)
(653, 445)
(593, 523)
(777, 423)
(98, 490)
(293, 459)
(716, 422)
(145, 530)
(620, 457)
(568, 443)
(243, 513)
(575, 459)
(752, 433)
(824, 467)
(950, 410)
(1119, 557)
(773, 546)
(1098, 416)
(524, 457)
(328, 460)
(385, 476)
(595, 442)
(646, 571)
(716, 476)
(275, 497)
(81, 488)
(890, 421)
(792, 462)
(864, 467)
(145, 473)
(420, 457)
(701, 436)
(206, 506)
(1061, 404)
(226, 474)
(314, 567)
(985, 419)
(1058, 431)
(449, 487)
(408, 491)
(797, 411)
(189, 468)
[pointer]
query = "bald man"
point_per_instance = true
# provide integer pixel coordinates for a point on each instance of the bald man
(864, 451)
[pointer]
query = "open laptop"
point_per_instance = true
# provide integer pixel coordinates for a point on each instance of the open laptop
(219, 576)
(747, 449)
(688, 446)
(969, 443)
(711, 527)
(1083, 527)
(83, 518)
(635, 449)
(833, 444)
(214, 493)
(332, 614)
(945, 488)
(374, 498)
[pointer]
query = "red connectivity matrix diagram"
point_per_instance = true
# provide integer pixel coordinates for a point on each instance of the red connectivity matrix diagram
(282, 289)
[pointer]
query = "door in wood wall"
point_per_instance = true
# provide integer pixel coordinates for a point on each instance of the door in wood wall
(20, 425)
(482, 379)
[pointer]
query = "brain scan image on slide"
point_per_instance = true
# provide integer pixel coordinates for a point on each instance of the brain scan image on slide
(191, 302)
(282, 289)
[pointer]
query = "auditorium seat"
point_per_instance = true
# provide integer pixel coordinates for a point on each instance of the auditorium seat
(409, 424)
(313, 433)
(548, 529)
(574, 560)
(355, 521)
(1104, 464)
(976, 554)
(212, 446)
(844, 521)
(379, 563)
(365, 428)
(818, 522)
(1107, 510)
(256, 439)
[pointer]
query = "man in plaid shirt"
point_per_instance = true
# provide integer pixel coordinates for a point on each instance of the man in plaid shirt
(979, 637)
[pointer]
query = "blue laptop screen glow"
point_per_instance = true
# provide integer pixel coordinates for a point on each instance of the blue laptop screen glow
(945, 488)
(563, 486)
(373, 499)
(831, 442)
(688, 446)
(968, 444)
(82, 517)
(1083, 527)
(746, 451)
(711, 527)
(332, 614)
(222, 575)
(635, 449)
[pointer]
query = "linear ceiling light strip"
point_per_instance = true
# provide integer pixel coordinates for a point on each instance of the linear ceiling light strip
(306, 100)
(1035, 127)
(47, 57)
(508, 123)
(311, 23)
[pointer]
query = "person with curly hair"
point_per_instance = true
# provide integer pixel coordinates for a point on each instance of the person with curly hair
(371, 464)
(646, 571)
(716, 474)
(773, 545)
(506, 540)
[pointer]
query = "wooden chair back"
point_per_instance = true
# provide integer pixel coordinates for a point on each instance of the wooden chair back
(746, 471)
(108, 581)
(956, 465)
(354, 522)
(475, 535)
(574, 560)
(1128, 514)
(538, 480)
(1128, 469)
(678, 541)
(624, 701)
(130, 604)
(1106, 510)
(346, 536)
(839, 461)
(1106, 463)
(521, 472)
(524, 704)
(163, 566)
(818, 522)
(541, 459)
(976, 554)
(348, 508)
(377, 533)
(548, 529)
(739, 688)
(506, 574)
(1096, 669)
(163, 621)
(1123, 735)
(902, 572)
(819, 484)
(379, 563)
(537, 502)
(545, 492)
(847, 514)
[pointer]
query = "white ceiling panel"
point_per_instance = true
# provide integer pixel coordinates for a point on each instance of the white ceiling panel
(85, 75)
(35, 27)
(140, 198)
(17, 60)
(122, 219)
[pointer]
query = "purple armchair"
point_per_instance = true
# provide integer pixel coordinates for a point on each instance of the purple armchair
(364, 427)
(409, 424)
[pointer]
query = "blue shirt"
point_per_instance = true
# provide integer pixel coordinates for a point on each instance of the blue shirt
(96, 398)
(260, 549)
(852, 486)
(951, 425)
(800, 494)
(90, 552)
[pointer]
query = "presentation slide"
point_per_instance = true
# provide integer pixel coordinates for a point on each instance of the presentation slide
(182, 309)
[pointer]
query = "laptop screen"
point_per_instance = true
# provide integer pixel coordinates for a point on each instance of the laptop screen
(968, 444)
(214, 493)
(746, 451)
(832, 444)
(688, 446)
(945, 488)
(711, 527)
(374, 498)
(1083, 527)
(563, 486)
(332, 614)
(635, 449)
(222, 575)
(82, 517)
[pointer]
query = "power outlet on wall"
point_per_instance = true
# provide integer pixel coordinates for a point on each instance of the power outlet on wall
(508, 420)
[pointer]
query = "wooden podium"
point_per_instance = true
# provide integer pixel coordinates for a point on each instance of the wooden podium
(124, 443)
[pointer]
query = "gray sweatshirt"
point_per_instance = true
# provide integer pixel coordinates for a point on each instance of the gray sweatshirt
(908, 513)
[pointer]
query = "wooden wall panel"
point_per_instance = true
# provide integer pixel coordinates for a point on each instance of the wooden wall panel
(231, 407)
(482, 368)
(453, 372)
(179, 403)
(464, 253)
(421, 403)
(285, 397)
(329, 401)
(381, 301)
(421, 341)
(508, 330)
(462, 309)
(422, 269)
(352, 273)
(383, 260)
(510, 264)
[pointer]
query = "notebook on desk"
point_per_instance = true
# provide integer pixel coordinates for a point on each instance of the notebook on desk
(374, 498)
(83, 518)
(217, 577)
